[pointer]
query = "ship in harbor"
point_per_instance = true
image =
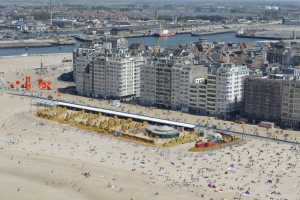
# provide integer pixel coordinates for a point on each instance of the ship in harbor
(164, 33)
(247, 33)
(265, 34)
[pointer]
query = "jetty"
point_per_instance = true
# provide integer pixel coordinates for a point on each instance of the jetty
(36, 42)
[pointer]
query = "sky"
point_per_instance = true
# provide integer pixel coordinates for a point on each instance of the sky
(99, 2)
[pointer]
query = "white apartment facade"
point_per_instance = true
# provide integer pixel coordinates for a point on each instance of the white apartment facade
(198, 96)
(167, 83)
(107, 76)
(161, 81)
(229, 88)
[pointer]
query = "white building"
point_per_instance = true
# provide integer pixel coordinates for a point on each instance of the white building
(108, 75)
(156, 81)
(166, 82)
(198, 96)
(184, 76)
(211, 93)
(229, 80)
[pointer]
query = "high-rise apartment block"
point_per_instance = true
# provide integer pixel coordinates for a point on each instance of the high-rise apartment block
(207, 79)
(262, 99)
(229, 88)
(165, 82)
(184, 86)
(290, 114)
(107, 71)
(275, 100)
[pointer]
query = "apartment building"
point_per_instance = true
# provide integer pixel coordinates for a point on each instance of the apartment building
(148, 83)
(82, 62)
(163, 72)
(181, 85)
(262, 99)
(107, 72)
(225, 89)
(276, 100)
(280, 53)
(290, 113)
(198, 96)
(156, 81)
(211, 93)
(184, 76)
(165, 82)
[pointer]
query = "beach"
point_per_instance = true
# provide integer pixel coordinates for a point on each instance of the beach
(42, 159)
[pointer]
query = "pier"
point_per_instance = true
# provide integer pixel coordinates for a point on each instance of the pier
(36, 43)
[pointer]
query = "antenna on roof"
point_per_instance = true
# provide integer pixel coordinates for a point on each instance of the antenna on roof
(51, 12)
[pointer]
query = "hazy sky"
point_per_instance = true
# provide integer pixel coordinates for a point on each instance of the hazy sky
(99, 2)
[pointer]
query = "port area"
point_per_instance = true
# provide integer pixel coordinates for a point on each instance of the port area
(201, 30)
(192, 32)
(278, 32)
(37, 42)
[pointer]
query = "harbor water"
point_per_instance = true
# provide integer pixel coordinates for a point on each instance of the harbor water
(188, 38)
(149, 40)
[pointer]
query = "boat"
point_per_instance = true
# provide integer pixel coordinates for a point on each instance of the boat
(164, 33)
(24, 54)
(240, 32)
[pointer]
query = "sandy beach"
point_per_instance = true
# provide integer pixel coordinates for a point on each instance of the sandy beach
(21, 63)
(40, 159)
